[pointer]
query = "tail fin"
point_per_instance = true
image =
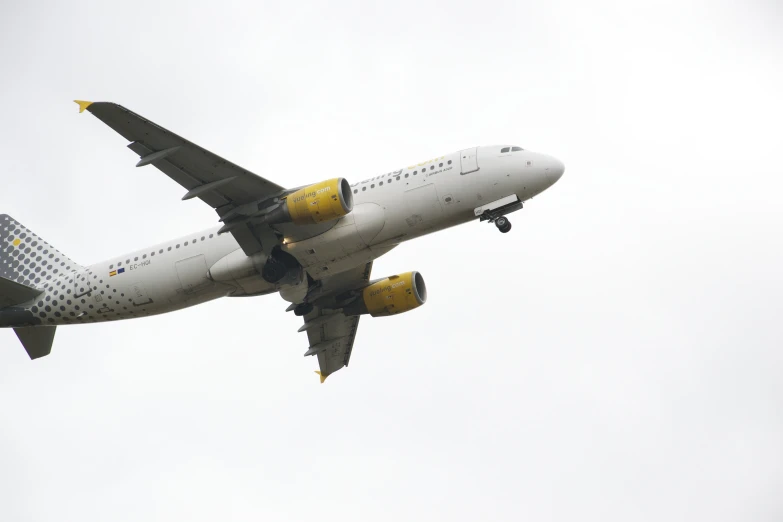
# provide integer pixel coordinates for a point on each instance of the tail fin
(37, 340)
(26, 258)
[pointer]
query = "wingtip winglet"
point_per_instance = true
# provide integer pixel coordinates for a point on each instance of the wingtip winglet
(82, 105)
(323, 377)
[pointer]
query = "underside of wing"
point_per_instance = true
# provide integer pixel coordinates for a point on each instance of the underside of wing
(259, 213)
(205, 175)
(330, 332)
(332, 341)
(219, 183)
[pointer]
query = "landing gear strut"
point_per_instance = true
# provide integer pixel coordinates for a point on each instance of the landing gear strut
(503, 224)
(496, 211)
(500, 221)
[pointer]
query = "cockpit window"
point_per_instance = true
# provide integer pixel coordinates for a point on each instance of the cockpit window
(504, 149)
(516, 149)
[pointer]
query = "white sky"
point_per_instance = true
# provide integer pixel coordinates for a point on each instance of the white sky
(617, 356)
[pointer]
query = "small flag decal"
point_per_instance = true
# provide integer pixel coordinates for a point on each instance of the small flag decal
(115, 272)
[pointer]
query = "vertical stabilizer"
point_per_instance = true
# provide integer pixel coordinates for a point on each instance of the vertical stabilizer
(26, 258)
(37, 340)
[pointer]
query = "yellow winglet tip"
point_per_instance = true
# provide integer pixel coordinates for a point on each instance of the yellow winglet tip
(323, 377)
(82, 105)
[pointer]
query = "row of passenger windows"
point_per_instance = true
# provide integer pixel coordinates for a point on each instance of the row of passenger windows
(152, 254)
(415, 172)
(513, 149)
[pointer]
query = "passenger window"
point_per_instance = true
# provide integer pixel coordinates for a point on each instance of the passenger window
(355, 191)
(516, 149)
(504, 149)
(440, 165)
(449, 162)
(406, 174)
(380, 184)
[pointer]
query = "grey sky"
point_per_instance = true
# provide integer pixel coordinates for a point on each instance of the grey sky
(617, 356)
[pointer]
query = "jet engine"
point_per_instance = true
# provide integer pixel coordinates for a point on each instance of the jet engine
(324, 201)
(390, 296)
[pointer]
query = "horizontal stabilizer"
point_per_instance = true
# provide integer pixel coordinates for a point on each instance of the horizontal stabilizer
(13, 293)
(37, 340)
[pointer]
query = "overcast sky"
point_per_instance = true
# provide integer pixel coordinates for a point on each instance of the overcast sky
(617, 356)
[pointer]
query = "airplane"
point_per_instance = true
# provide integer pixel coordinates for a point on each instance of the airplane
(314, 245)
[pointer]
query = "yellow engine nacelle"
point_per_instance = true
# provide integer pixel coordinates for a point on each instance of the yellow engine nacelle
(390, 296)
(324, 201)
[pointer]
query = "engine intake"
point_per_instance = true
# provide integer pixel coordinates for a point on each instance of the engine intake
(390, 296)
(324, 201)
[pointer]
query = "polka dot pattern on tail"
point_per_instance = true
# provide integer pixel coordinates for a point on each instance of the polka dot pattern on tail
(26, 258)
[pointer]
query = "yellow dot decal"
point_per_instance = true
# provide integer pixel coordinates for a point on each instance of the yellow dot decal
(17, 241)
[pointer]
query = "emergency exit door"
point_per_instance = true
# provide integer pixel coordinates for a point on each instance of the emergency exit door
(468, 159)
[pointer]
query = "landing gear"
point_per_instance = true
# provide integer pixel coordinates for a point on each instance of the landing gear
(274, 270)
(303, 309)
(503, 224)
(496, 211)
(279, 265)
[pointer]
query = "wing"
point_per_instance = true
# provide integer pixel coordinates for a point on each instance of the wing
(219, 183)
(330, 332)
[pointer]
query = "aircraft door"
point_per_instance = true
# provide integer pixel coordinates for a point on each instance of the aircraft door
(469, 160)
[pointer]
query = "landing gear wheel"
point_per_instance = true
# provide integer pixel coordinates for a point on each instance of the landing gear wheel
(303, 309)
(503, 224)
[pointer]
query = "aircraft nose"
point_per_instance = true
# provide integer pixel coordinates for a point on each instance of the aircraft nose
(555, 169)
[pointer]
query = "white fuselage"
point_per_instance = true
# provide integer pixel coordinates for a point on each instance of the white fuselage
(388, 210)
